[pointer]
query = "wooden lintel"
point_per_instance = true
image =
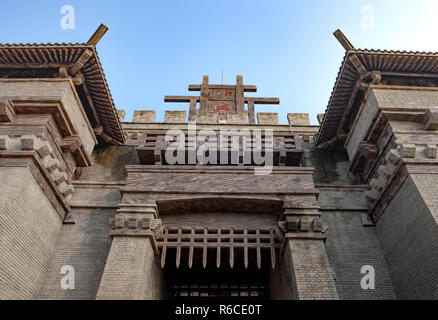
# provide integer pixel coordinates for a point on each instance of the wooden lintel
(343, 40)
(100, 32)
(85, 56)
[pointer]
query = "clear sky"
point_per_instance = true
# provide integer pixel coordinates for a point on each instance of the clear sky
(285, 47)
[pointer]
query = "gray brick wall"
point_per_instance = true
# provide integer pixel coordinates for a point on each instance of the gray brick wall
(312, 273)
(109, 163)
(408, 233)
(350, 246)
(85, 246)
(29, 229)
(132, 271)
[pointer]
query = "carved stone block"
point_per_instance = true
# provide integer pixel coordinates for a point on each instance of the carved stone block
(298, 119)
(305, 224)
(146, 223)
(43, 149)
(175, 116)
(206, 117)
(4, 142)
(268, 118)
(7, 112)
(408, 150)
(293, 224)
(51, 164)
(28, 142)
(317, 225)
(430, 151)
(144, 116)
(132, 223)
(59, 177)
(432, 119)
(119, 222)
(238, 118)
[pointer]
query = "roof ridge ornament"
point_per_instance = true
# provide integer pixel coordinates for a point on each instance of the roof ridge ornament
(343, 40)
(98, 35)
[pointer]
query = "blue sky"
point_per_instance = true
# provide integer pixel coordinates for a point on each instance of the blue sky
(285, 47)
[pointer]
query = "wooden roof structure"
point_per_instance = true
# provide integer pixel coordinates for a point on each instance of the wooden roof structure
(365, 65)
(79, 60)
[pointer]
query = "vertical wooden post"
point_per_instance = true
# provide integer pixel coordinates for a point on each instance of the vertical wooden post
(218, 253)
(240, 100)
(204, 249)
(203, 105)
(192, 243)
(192, 110)
(178, 248)
(251, 112)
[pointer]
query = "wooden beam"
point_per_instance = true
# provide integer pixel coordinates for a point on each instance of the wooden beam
(205, 92)
(246, 88)
(180, 98)
(240, 103)
(192, 110)
(354, 59)
(70, 144)
(343, 40)
(257, 100)
(85, 56)
(90, 100)
(251, 112)
(100, 32)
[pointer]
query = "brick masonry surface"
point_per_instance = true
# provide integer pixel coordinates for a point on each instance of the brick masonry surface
(408, 232)
(132, 271)
(312, 273)
(350, 246)
(29, 229)
(85, 246)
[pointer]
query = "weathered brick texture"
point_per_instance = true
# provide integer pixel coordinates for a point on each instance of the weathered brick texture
(350, 246)
(29, 229)
(85, 246)
(408, 233)
(311, 270)
(132, 271)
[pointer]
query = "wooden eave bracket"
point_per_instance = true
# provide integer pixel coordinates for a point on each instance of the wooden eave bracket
(98, 35)
(343, 40)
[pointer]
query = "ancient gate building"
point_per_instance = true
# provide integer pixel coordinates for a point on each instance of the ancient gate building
(220, 201)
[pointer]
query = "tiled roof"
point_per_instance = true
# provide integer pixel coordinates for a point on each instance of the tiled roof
(372, 60)
(67, 54)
